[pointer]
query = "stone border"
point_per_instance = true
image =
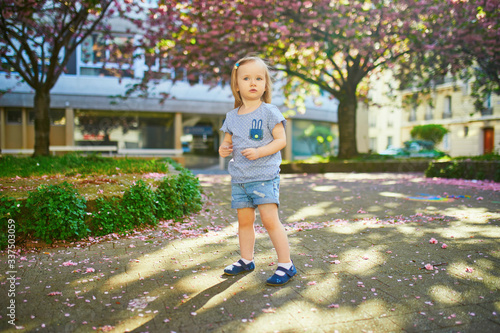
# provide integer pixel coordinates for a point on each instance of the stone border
(357, 166)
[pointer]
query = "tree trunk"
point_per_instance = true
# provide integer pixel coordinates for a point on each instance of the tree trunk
(42, 122)
(347, 123)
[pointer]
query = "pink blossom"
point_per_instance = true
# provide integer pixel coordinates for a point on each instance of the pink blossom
(433, 241)
(55, 293)
(429, 267)
(69, 263)
(444, 246)
(469, 269)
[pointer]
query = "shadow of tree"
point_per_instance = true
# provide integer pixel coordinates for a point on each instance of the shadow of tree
(360, 247)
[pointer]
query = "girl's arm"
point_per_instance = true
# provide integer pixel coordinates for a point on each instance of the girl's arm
(273, 147)
(226, 147)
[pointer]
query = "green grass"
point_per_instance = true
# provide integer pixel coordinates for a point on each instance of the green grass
(76, 164)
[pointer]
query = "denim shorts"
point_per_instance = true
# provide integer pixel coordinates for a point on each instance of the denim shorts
(250, 195)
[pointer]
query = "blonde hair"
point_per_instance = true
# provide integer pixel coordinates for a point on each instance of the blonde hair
(266, 97)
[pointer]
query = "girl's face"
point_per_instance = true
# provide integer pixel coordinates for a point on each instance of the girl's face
(251, 81)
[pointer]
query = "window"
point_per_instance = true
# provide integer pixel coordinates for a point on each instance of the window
(31, 117)
(158, 67)
(372, 118)
(466, 131)
(389, 141)
(447, 107)
(429, 114)
(373, 144)
(390, 120)
(487, 110)
(413, 113)
(446, 141)
(95, 51)
(14, 116)
(57, 117)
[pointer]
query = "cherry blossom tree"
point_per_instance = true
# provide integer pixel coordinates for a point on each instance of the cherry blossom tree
(38, 37)
(36, 41)
(462, 38)
(320, 47)
(474, 37)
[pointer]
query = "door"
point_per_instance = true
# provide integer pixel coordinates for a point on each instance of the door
(488, 139)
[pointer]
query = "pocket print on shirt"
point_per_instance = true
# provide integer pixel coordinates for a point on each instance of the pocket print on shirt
(256, 130)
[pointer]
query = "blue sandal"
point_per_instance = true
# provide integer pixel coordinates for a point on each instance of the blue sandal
(278, 280)
(244, 268)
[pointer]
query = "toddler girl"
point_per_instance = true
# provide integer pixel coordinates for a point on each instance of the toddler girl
(255, 134)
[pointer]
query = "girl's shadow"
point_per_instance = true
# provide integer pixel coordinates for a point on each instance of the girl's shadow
(206, 295)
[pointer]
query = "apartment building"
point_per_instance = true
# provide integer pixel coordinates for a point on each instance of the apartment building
(450, 105)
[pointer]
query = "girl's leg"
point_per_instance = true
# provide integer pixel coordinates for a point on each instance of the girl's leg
(246, 232)
(270, 219)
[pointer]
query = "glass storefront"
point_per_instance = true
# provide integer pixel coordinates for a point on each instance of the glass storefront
(126, 130)
(312, 138)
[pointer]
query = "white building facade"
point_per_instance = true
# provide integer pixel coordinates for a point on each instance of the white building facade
(450, 104)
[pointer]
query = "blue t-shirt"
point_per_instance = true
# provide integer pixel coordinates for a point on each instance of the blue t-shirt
(253, 130)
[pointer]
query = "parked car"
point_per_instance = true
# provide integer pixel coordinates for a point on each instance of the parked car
(414, 148)
(394, 151)
(422, 148)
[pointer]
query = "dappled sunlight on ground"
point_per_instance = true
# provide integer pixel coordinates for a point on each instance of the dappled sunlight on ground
(367, 259)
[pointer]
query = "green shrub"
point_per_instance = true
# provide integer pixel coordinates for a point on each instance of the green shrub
(9, 209)
(56, 212)
(430, 132)
(106, 218)
(168, 199)
(178, 196)
(465, 169)
(190, 190)
(137, 207)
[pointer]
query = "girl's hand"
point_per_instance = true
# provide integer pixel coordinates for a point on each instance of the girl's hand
(251, 153)
(225, 151)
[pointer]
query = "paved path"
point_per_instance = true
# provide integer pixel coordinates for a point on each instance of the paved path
(360, 242)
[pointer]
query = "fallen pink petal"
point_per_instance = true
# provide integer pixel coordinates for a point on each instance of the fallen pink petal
(69, 263)
(55, 293)
(269, 310)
